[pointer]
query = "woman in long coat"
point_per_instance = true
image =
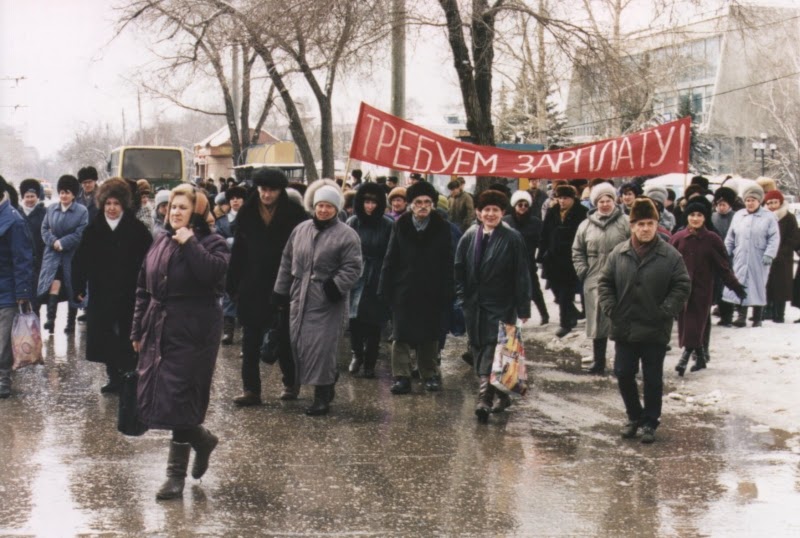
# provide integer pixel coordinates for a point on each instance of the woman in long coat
(368, 313)
(33, 209)
(605, 227)
(320, 265)
(753, 241)
(61, 231)
(705, 257)
(177, 326)
(108, 260)
(779, 283)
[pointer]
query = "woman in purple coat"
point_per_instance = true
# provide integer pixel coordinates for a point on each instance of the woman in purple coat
(177, 326)
(705, 256)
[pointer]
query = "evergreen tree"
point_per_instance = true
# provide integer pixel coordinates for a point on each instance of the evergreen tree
(701, 149)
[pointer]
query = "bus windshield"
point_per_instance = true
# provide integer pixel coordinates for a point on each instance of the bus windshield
(152, 164)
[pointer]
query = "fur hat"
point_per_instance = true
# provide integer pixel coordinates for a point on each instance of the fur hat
(656, 193)
(68, 183)
(30, 185)
(116, 188)
(693, 189)
(774, 195)
(726, 194)
(371, 191)
(521, 196)
(600, 190)
(416, 177)
(142, 187)
(87, 173)
(701, 205)
(502, 187)
(701, 181)
(162, 197)
(235, 192)
(492, 197)
(10, 191)
(330, 195)
(422, 188)
(269, 177)
(631, 186)
(349, 198)
(643, 208)
(767, 183)
(397, 191)
(566, 190)
(753, 190)
(308, 197)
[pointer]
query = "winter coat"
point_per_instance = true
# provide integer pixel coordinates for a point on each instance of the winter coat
(498, 289)
(595, 239)
(178, 324)
(462, 210)
(722, 222)
(312, 258)
(751, 237)
(256, 257)
(225, 226)
(66, 227)
(374, 232)
(642, 298)
(779, 282)
(555, 249)
(705, 257)
(106, 266)
(539, 200)
(16, 256)
(88, 201)
(34, 220)
(417, 278)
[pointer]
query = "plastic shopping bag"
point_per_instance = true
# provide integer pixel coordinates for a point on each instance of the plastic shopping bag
(509, 374)
(26, 339)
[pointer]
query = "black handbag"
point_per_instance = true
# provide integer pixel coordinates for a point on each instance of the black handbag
(128, 422)
(270, 346)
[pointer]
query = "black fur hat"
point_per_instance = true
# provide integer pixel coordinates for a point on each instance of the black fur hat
(269, 177)
(30, 185)
(699, 203)
(373, 191)
(235, 192)
(643, 208)
(68, 183)
(492, 197)
(725, 194)
(5, 188)
(421, 188)
(566, 190)
(701, 181)
(86, 173)
(114, 188)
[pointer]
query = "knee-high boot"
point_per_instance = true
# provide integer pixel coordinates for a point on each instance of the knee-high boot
(52, 308)
(177, 463)
(485, 399)
(72, 313)
(203, 442)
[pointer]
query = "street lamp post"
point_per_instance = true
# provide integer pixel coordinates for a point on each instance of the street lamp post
(762, 147)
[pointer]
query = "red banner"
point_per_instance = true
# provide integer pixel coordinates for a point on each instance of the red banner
(386, 140)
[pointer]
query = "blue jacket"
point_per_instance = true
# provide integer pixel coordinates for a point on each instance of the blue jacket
(66, 227)
(16, 256)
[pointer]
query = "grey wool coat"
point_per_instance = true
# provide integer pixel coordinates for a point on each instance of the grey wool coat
(594, 241)
(751, 237)
(312, 257)
(66, 227)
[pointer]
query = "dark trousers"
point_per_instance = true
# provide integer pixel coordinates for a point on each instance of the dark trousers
(567, 313)
(252, 338)
(364, 338)
(626, 366)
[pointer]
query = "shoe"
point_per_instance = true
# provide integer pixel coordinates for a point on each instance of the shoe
(177, 463)
(401, 385)
(433, 384)
(563, 331)
(72, 313)
(112, 387)
(758, 315)
(648, 435)
(545, 320)
(699, 360)
(322, 400)
(415, 374)
(728, 323)
(289, 393)
(503, 402)
(355, 364)
(468, 357)
(247, 399)
(228, 328)
(204, 443)
(741, 317)
(630, 429)
(681, 366)
(485, 398)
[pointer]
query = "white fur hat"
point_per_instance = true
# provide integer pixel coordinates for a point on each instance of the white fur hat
(602, 189)
(519, 196)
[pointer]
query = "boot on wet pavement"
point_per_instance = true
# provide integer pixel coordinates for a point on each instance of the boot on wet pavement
(177, 464)
(370, 359)
(322, 399)
(228, 328)
(503, 402)
(485, 399)
(758, 313)
(648, 434)
(681, 366)
(72, 314)
(290, 392)
(401, 385)
(699, 360)
(52, 308)
(630, 429)
(203, 442)
(247, 399)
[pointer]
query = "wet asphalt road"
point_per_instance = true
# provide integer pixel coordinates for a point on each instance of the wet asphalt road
(384, 465)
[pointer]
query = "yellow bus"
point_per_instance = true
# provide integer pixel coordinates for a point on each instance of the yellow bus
(160, 165)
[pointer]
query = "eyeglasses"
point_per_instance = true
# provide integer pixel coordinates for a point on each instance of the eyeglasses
(423, 203)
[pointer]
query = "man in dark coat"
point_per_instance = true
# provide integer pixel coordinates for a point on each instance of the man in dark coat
(263, 227)
(106, 265)
(539, 198)
(643, 286)
(555, 253)
(492, 282)
(417, 282)
(88, 179)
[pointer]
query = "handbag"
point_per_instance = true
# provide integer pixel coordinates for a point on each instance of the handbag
(270, 346)
(128, 422)
(509, 374)
(26, 339)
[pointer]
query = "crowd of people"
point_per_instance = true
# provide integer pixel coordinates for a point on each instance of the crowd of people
(165, 282)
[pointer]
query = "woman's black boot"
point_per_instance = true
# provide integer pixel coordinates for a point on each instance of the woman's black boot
(323, 394)
(681, 366)
(758, 312)
(177, 464)
(699, 360)
(52, 308)
(72, 313)
(741, 316)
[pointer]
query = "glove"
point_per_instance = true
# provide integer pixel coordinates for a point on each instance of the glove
(741, 292)
(331, 291)
(766, 260)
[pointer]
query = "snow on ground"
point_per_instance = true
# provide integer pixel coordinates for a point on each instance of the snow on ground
(753, 373)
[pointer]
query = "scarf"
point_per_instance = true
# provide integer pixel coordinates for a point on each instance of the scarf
(113, 223)
(420, 224)
(27, 210)
(643, 249)
(323, 224)
(482, 242)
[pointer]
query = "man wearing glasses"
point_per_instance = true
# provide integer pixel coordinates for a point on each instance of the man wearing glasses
(417, 282)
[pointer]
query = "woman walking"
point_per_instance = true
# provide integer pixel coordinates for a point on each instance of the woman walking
(320, 265)
(367, 312)
(106, 265)
(604, 228)
(177, 325)
(779, 283)
(33, 209)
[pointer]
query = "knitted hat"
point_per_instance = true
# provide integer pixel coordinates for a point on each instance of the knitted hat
(631, 186)
(269, 177)
(774, 195)
(87, 173)
(656, 193)
(600, 190)
(643, 208)
(68, 183)
(397, 191)
(28, 185)
(443, 203)
(492, 197)
(725, 194)
(162, 197)
(767, 183)
(422, 188)
(116, 188)
(521, 196)
(235, 192)
(753, 190)
(566, 190)
(330, 195)
(701, 205)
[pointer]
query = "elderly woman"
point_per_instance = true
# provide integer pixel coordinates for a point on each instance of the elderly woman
(753, 240)
(33, 209)
(604, 228)
(779, 283)
(62, 229)
(107, 265)
(367, 312)
(320, 265)
(176, 330)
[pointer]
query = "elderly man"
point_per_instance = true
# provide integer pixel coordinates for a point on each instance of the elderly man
(642, 287)
(462, 209)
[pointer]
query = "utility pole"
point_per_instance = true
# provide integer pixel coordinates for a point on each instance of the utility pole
(398, 62)
(124, 135)
(236, 84)
(139, 101)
